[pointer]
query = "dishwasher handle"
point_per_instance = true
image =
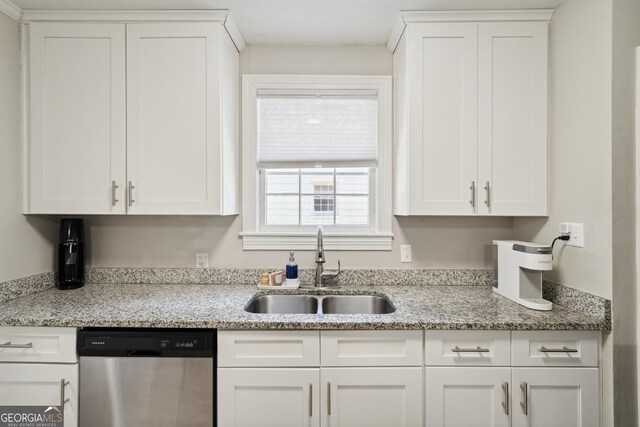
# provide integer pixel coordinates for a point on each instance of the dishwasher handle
(143, 353)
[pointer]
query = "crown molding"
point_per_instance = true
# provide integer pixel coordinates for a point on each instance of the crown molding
(222, 16)
(11, 10)
(478, 15)
(409, 17)
(234, 33)
(125, 15)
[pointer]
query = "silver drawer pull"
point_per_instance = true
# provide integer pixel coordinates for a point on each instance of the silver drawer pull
(505, 402)
(564, 349)
(9, 345)
(472, 202)
(478, 349)
(131, 187)
(487, 188)
(63, 400)
(311, 400)
(524, 403)
(114, 197)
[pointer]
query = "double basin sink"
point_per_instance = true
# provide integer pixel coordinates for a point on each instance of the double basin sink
(320, 304)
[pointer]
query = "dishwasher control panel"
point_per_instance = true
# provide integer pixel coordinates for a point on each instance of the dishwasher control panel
(146, 342)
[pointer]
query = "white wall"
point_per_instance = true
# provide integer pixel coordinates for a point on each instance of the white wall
(25, 242)
(580, 158)
(173, 241)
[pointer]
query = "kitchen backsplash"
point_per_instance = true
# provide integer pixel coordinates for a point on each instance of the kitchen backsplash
(251, 276)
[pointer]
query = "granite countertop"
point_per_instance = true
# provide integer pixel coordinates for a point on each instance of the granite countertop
(222, 307)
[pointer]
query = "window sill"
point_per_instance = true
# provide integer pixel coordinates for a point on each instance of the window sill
(307, 241)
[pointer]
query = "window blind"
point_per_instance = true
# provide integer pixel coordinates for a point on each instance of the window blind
(312, 131)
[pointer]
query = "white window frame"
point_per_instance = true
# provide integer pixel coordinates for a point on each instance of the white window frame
(377, 237)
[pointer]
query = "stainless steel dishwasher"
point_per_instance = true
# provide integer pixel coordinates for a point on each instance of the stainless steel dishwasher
(147, 377)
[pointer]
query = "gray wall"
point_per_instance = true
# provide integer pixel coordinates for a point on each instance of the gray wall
(25, 242)
(579, 145)
(626, 37)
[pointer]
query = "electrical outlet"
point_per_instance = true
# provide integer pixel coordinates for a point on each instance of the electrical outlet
(405, 253)
(202, 260)
(576, 233)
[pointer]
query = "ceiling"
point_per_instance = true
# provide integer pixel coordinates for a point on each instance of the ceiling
(303, 22)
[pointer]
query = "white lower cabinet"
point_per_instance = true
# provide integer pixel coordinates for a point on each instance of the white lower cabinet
(521, 397)
(54, 385)
(383, 379)
(467, 397)
(371, 397)
(268, 397)
(556, 397)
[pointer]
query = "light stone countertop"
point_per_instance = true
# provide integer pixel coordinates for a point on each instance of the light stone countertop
(222, 307)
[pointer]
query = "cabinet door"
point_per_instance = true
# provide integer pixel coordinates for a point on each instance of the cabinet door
(512, 118)
(442, 108)
(556, 397)
(371, 397)
(467, 397)
(76, 120)
(268, 397)
(41, 385)
(173, 117)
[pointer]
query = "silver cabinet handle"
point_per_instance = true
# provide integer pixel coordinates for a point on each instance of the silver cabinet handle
(564, 349)
(114, 187)
(487, 188)
(525, 398)
(328, 398)
(505, 393)
(478, 349)
(131, 187)
(9, 345)
(311, 400)
(63, 384)
(472, 202)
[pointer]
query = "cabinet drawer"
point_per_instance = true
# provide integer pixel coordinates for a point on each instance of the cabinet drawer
(38, 345)
(29, 384)
(467, 348)
(554, 348)
(371, 348)
(268, 348)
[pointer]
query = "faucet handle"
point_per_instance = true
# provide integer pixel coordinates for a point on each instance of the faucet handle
(331, 276)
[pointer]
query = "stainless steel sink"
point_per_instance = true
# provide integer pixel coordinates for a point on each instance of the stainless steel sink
(320, 304)
(283, 304)
(356, 304)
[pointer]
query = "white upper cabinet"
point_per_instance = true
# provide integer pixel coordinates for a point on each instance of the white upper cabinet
(471, 113)
(174, 117)
(512, 118)
(438, 63)
(76, 118)
(168, 146)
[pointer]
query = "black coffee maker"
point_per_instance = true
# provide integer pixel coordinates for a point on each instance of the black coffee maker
(71, 254)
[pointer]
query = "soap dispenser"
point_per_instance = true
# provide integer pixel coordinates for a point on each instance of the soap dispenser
(292, 271)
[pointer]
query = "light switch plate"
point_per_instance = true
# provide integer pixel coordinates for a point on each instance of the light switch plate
(405, 253)
(576, 233)
(202, 260)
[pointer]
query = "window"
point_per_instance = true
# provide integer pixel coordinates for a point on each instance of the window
(324, 200)
(316, 150)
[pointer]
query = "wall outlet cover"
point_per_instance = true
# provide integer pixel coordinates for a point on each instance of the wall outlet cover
(405, 253)
(202, 260)
(576, 233)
